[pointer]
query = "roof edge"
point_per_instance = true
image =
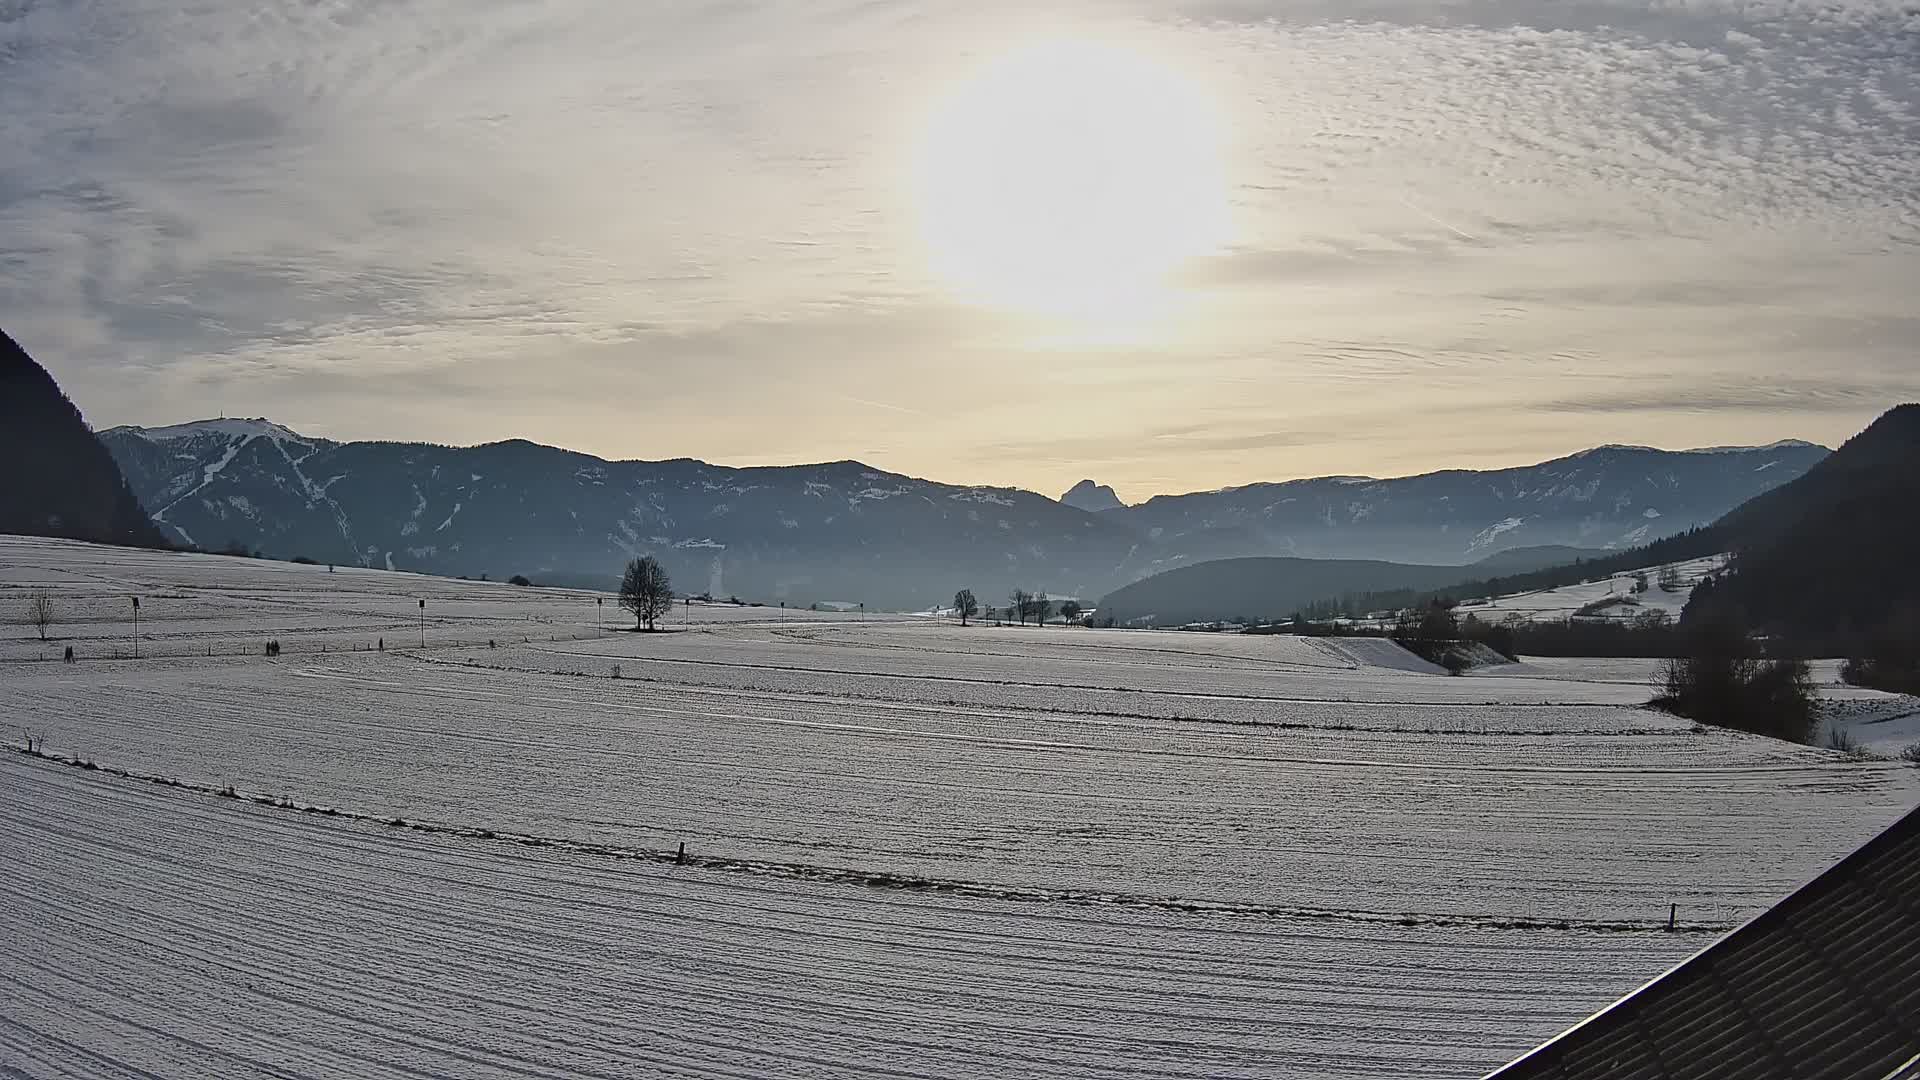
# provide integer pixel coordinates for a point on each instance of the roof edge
(1902, 828)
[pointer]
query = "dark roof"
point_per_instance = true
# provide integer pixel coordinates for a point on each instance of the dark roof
(1823, 985)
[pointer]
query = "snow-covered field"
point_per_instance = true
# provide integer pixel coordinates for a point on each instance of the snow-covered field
(1558, 605)
(214, 605)
(1878, 722)
(913, 849)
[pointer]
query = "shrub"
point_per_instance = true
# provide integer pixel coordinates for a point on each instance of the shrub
(1891, 669)
(1723, 681)
(1435, 622)
(1499, 637)
(1841, 739)
(1455, 661)
(1911, 754)
(519, 579)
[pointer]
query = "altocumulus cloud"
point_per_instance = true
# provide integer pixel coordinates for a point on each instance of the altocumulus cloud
(1464, 233)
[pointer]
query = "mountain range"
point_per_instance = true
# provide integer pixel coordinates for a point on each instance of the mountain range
(1821, 564)
(845, 531)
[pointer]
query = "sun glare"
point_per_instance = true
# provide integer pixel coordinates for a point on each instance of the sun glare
(1070, 179)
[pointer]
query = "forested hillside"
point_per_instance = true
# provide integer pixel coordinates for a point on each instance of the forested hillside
(1829, 558)
(59, 480)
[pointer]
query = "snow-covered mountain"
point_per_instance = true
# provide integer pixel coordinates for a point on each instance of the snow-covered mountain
(1607, 497)
(847, 531)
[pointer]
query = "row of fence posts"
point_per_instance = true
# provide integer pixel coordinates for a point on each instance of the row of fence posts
(600, 623)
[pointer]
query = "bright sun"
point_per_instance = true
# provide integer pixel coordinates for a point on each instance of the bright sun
(1070, 179)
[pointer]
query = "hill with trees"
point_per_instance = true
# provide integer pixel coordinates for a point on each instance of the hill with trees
(1257, 589)
(1828, 560)
(59, 480)
(1692, 544)
(1822, 565)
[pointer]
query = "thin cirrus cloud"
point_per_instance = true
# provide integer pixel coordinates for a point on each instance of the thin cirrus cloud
(1466, 233)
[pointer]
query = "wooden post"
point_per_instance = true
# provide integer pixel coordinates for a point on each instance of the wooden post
(681, 858)
(1673, 912)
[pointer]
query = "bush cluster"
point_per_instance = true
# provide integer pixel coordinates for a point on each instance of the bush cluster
(1724, 681)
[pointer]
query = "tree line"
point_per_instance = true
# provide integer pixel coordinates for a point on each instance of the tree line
(1021, 606)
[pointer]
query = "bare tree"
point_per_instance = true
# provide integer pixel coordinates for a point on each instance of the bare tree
(1070, 610)
(966, 605)
(646, 591)
(1041, 606)
(1022, 604)
(40, 613)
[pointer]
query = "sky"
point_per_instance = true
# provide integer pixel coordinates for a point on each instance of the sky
(1169, 246)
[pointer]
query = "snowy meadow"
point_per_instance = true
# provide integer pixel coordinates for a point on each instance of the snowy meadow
(494, 836)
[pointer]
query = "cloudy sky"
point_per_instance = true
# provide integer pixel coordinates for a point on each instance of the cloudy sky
(1167, 245)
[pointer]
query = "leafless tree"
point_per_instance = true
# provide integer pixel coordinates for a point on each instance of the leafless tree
(646, 591)
(1022, 604)
(40, 613)
(1070, 610)
(1041, 608)
(966, 605)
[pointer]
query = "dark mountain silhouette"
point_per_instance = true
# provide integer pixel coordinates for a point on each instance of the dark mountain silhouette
(59, 479)
(1824, 562)
(845, 531)
(1611, 497)
(1831, 556)
(1091, 497)
(838, 531)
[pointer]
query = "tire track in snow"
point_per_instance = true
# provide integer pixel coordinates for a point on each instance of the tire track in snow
(314, 947)
(1154, 808)
(888, 880)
